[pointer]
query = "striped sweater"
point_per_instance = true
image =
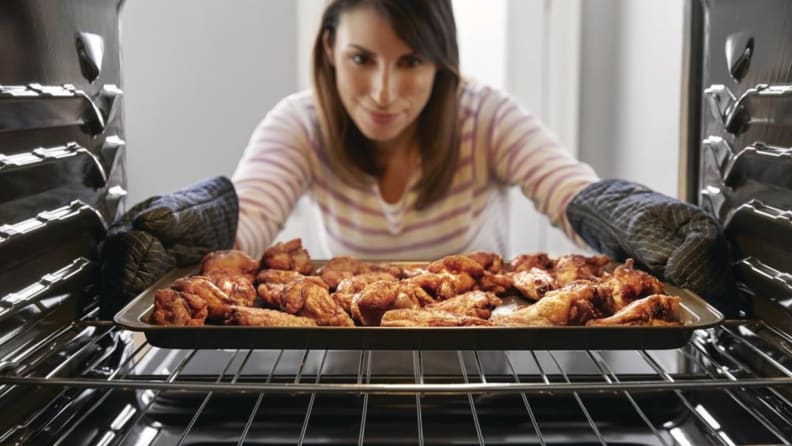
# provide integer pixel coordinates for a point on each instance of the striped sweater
(501, 146)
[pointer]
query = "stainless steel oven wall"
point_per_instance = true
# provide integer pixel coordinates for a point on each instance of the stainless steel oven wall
(738, 160)
(62, 176)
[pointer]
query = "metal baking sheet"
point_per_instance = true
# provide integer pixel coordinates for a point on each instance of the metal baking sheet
(696, 314)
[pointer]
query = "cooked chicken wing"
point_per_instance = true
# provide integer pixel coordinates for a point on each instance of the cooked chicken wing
(272, 292)
(654, 310)
(173, 307)
(489, 260)
(456, 264)
(627, 284)
(350, 286)
(339, 268)
(288, 255)
(230, 262)
(428, 318)
(445, 285)
(525, 262)
(573, 267)
(574, 304)
(305, 297)
(277, 276)
(369, 305)
(474, 303)
(262, 317)
(238, 288)
(534, 283)
(218, 301)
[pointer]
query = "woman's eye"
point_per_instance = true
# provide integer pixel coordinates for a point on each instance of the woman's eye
(412, 61)
(360, 59)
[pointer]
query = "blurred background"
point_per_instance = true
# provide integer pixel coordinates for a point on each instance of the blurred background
(605, 75)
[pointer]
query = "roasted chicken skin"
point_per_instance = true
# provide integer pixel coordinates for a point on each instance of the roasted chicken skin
(262, 317)
(230, 262)
(525, 262)
(627, 284)
(572, 267)
(176, 308)
(443, 285)
(369, 305)
(428, 318)
(288, 255)
(574, 304)
(654, 310)
(305, 297)
(350, 286)
(534, 283)
(474, 304)
(342, 267)
(238, 288)
(217, 301)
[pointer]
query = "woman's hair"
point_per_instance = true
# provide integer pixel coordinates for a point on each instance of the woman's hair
(428, 27)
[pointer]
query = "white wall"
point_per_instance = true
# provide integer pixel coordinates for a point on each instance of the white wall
(631, 90)
(198, 75)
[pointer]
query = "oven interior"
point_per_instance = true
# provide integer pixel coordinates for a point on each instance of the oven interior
(69, 376)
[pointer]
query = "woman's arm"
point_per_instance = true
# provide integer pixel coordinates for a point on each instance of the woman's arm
(524, 152)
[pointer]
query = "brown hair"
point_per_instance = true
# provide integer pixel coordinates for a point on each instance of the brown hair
(428, 27)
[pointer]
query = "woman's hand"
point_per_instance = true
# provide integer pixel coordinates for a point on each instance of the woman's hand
(675, 240)
(161, 233)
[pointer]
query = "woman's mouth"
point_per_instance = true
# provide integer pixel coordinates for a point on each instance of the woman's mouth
(382, 118)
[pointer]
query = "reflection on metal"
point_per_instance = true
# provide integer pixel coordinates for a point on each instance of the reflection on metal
(739, 49)
(90, 51)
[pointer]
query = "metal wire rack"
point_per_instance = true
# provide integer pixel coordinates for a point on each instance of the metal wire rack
(734, 372)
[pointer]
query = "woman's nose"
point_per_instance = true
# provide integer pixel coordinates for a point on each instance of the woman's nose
(382, 87)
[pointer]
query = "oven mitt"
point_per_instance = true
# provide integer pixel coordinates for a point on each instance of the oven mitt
(676, 241)
(161, 233)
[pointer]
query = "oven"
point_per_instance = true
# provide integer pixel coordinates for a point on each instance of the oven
(69, 376)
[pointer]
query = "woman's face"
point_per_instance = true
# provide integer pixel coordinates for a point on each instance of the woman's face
(382, 82)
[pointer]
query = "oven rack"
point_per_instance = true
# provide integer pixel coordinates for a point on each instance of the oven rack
(739, 360)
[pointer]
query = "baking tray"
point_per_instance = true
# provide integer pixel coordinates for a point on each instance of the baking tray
(696, 314)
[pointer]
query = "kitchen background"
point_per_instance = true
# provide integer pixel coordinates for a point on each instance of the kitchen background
(198, 75)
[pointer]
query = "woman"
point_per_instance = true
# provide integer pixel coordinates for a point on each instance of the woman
(405, 159)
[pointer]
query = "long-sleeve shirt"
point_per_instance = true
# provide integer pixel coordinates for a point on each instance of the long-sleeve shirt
(502, 145)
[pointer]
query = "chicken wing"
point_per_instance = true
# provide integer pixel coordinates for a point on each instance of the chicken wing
(217, 301)
(277, 276)
(654, 310)
(428, 318)
(237, 287)
(306, 298)
(488, 260)
(262, 317)
(474, 304)
(369, 305)
(574, 304)
(350, 286)
(525, 262)
(176, 308)
(627, 284)
(229, 262)
(288, 255)
(340, 268)
(444, 285)
(573, 267)
(456, 264)
(534, 283)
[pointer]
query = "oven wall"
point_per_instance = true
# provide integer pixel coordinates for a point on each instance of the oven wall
(199, 75)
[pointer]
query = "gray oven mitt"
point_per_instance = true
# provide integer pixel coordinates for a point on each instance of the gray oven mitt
(161, 233)
(676, 241)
